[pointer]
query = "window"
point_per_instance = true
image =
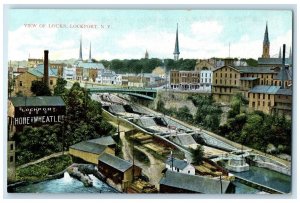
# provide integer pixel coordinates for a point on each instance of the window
(11, 146)
(188, 171)
(21, 84)
(216, 81)
(263, 96)
(11, 159)
(253, 96)
(268, 96)
(51, 82)
(177, 169)
(253, 104)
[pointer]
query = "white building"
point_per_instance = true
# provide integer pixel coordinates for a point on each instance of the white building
(106, 77)
(180, 166)
(206, 80)
(69, 73)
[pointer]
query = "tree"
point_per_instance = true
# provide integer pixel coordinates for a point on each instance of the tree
(198, 154)
(40, 89)
(60, 89)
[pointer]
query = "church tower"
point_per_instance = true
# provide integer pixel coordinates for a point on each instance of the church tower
(176, 49)
(90, 54)
(266, 44)
(146, 55)
(80, 50)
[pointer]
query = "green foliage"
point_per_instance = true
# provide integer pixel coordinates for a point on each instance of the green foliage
(208, 113)
(258, 130)
(34, 143)
(40, 89)
(83, 121)
(237, 103)
(198, 154)
(43, 169)
(60, 89)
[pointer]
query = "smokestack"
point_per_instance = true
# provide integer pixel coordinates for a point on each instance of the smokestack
(46, 69)
(283, 67)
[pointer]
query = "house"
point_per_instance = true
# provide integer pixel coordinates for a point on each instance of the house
(180, 166)
(184, 80)
(271, 99)
(24, 81)
(173, 182)
(120, 171)
(89, 151)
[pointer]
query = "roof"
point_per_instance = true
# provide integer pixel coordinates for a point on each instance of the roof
(115, 162)
(267, 89)
(248, 78)
(194, 183)
(249, 69)
(38, 101)
(266, 37)
(176, 49)
(285, 92)
(89, 147)
(185, 139)
(181, 164)
(273, 61)
(103, 141)
(285, 73)
(90, 65)
(39, 71)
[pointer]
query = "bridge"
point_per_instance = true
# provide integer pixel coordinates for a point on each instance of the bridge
(145, 93)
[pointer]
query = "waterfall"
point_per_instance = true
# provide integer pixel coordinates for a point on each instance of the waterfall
(67, 177)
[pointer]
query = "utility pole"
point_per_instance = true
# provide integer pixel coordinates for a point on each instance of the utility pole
(172, 160)
(132, 161)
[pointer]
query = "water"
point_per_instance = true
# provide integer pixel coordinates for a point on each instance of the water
(265, 177)
(66, 184)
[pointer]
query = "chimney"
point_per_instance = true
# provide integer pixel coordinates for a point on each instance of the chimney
(46, 69)
(283, 67)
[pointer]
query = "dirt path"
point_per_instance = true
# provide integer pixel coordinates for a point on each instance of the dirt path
(154, 170)
(43, 159)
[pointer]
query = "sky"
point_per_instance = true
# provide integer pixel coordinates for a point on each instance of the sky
(127, 34)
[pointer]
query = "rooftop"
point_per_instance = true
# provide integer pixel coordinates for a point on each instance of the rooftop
(265, 89)
(194, 183)
(285, 92)
(90, 65)
(39, 71)
(273, 61)
(115, 162)
(38, 101)
(181, 164)
(89, 147)
(103, 141)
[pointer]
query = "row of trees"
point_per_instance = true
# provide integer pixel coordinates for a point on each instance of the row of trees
(83, 121)
(147, 65)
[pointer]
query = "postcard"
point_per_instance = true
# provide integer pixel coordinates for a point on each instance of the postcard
(149, 101)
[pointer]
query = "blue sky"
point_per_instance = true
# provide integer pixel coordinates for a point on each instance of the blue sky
(202, 33)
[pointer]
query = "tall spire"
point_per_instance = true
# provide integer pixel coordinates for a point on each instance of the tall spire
(80, 50)
(176, 49)
(266, 44)
(146, 54)
(90, 54)
(279, 55)
(290, 55)
(266, 38)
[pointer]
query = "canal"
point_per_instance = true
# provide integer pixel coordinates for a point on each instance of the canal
(66, 184)
(265, 177)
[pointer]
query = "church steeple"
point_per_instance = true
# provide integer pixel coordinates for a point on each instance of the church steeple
(90, 54)
(279, 55)
(80, 50)
(146, 54)
(266, 44)
(290, 54)
(176, 49)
